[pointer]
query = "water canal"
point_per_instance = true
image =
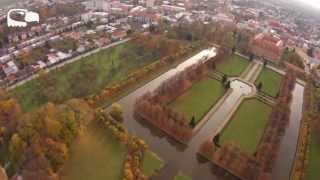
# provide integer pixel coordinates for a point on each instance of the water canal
(184, 157)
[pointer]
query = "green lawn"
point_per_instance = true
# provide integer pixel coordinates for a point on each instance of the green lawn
(314, 159)
(95, 155)
(198, 100)
(233, 66)
(270, 80)
(151, 163)
(247, 125)
(84, 77)
(181, 176)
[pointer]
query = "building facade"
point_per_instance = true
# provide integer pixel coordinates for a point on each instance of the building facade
(267, 46)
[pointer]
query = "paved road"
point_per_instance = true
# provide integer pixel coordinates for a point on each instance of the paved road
(68, 62)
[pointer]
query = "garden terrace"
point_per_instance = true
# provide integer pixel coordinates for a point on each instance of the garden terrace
(199, 99)
(89, 75)
(247, 125)
(153, 108)
(233, 65)
(270, 80)
(259, 165)
(312, 172)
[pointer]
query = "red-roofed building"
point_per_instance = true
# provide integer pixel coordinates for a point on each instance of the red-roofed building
(267, 46)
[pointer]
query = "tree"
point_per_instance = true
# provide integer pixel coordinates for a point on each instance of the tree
(265, 63)
(116, 112)
(233, 49)
(259, 87)
(227, 85)
(224, 78)
(193, 121)
(213, 65)
(16, 148)
(216, 140)
(251, 57)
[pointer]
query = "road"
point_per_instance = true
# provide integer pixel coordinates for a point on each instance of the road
(58, 66)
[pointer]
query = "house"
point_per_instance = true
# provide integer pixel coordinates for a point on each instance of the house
(118, 35)
(10, 68)
(52, 58)
(267, 46)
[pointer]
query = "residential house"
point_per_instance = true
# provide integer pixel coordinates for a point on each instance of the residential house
(10, 68)
(118, 35)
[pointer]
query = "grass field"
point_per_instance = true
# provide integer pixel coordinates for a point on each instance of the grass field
(270, 80)
(84, 77)
(247, 125)
(314, 159)
(151, 163)
(95, 155)
(181, 176)
(233, 66)
(198, 100)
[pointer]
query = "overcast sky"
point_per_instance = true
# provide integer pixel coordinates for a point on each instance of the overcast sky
(313, 3)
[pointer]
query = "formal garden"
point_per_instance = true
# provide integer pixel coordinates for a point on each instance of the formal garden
(234, 65)
(247, 125)
(270, 82)
(199, 99)
(247, 145)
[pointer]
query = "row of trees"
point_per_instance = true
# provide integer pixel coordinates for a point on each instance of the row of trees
(311, 124)
(136, 147)
(36, 144)
(277, 124)
(231, 158)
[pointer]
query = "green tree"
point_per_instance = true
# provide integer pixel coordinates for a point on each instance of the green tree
(260, 85)
(193, 122)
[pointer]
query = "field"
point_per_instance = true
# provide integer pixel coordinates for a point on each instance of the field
(247, 125)
(199, 99)
(313, 159)
(84, 77)
(151, 163)
(95, 155)
(270, 80)
(233, 66)
(181, 176)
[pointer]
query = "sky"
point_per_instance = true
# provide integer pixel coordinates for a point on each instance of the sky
(313, 3)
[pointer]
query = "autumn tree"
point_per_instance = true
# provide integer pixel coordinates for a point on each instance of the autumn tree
(16, 148)
(116, 112)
